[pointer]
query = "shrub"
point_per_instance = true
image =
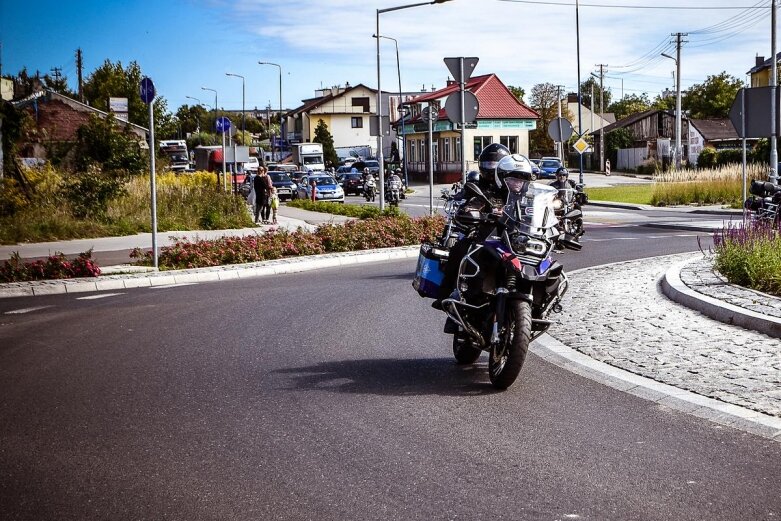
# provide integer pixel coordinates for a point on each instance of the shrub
(277, 243)
(54, 267)
(90, 192)
(750, 256)
(707, 158)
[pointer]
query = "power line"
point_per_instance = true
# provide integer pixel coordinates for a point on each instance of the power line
(658, 7)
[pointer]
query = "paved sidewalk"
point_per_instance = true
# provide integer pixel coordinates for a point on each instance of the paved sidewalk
(617, 314)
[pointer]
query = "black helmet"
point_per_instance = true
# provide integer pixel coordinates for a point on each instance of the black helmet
(514, 165)
(490, 157)
(562, 172)
(473, 176)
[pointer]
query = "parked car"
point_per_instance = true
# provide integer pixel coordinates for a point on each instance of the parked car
(548, 167)
(297, 175)
(326, 188)
(341, 171)
(286, 188)
(352, 183)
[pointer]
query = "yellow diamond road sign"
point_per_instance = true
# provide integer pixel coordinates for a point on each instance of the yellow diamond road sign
(580, 145)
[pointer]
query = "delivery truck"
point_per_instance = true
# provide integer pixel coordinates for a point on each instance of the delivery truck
(308, 156)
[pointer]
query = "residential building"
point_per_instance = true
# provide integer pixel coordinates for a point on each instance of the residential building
(57, 118)
(719, 134)
(347, 111)
(592, 121)
(652, 132)
(501, 118)
(760, 73)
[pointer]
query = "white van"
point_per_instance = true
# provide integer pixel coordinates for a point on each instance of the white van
(252, 165)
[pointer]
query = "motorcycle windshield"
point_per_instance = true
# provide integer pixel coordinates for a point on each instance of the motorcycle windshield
(532, 207)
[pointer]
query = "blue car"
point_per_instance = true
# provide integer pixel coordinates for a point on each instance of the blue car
(548, 168)
(326, 188)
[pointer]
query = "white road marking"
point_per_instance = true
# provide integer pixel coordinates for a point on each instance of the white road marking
(166, 286)
(25, 310)
(102, 295)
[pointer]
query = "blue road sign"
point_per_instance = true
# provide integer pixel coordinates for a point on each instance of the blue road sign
(147, 90)
(223, 124)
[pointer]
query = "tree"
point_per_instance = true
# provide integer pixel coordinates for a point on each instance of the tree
(324, 137)
(518, 92)
(663, 103)
(712, 98)
(585, 95)
(116, 151)
(114, 80)
(191, 118)
(629, 104)
(544, 99)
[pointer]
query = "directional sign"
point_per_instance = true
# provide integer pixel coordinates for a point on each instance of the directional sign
(757, 113)
(223, 124)
(560, 127)
(454, 66)
(147, 90)
(427, 114)
(581, 146)
(453, 107)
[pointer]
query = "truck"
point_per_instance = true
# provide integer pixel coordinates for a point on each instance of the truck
(308, 156)
(176, 152)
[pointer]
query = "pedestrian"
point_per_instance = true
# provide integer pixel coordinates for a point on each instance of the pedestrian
(274, 205)
(263, 186)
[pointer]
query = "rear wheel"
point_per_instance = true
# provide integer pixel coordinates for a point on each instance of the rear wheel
(506, 358)
(463, 349)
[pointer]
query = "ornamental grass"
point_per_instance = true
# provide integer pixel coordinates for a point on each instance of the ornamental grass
(721, 185)
(749, 255)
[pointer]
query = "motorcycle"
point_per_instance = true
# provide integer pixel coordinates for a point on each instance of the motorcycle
(567, 206)
(369, 192)
(765, 202)
(393, 193)
(507, 283)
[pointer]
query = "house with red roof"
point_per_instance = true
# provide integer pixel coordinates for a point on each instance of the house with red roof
(501, 118)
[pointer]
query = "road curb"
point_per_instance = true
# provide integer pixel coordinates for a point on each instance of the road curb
(674, 288)
(552, 350)
(216, 273)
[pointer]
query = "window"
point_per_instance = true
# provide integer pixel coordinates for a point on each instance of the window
(422, 149)
(361, 102)
(356, 121)
(446, 150)
(480, 143)
(458, 149)
(511, 142)
(435, 152)
(411, 151)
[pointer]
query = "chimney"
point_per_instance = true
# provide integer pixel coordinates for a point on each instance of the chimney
(760, 60)
(449, 82)
(347, 85)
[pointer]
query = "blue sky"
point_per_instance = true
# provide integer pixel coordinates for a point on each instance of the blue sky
(184, 45)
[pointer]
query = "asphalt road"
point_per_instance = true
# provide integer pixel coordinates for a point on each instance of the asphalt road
(333, 395)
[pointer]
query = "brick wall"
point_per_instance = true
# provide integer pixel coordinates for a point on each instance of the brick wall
(56, 121)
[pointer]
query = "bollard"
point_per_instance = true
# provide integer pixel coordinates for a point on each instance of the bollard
(607, 167)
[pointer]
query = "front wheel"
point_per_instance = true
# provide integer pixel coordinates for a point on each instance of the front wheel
(463, 349)
(506, 358)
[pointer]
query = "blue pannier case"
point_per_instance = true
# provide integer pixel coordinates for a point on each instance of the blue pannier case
(429, 274)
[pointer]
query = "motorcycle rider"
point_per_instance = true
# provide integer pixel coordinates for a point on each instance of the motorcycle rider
(369, 185)
(562, 180)
(495, 162)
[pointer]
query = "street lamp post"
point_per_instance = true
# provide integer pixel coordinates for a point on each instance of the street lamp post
(280, 101)
(401, 113)
(242, 101)
(215, 102)
(198, 120)
(677, 163)
(379, 93)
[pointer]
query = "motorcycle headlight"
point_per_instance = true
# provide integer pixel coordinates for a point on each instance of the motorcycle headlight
(535, 247)
(558, 204)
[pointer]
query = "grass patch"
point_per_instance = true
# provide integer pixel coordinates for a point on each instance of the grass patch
(184, 202)
(363, 211)
(630, 193)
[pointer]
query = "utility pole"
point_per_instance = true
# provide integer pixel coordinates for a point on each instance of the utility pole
(602, 67)
(57, 73)
(79, 68)
(561, 145)
(678, 148)
(773, 89)
(591, 110)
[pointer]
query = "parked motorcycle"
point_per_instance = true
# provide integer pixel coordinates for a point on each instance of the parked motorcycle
(393, 193)
(765, 203)
(507, 283)
(567, 206)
